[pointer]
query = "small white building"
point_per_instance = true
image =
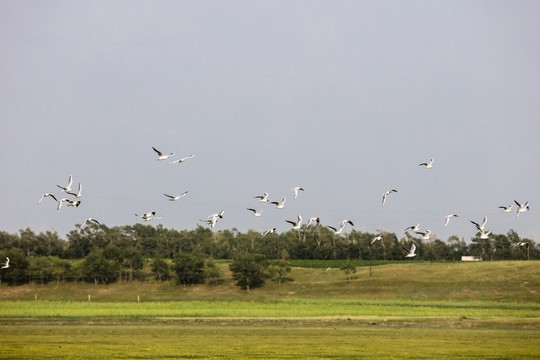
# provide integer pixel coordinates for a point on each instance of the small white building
(471, 258)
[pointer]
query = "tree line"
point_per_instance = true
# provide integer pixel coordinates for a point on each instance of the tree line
(101, 254)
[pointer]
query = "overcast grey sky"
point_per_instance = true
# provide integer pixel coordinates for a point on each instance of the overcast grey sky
(343, 98)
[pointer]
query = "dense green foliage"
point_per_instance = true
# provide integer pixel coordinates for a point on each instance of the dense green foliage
(249, 270)
(189, 269)
(119, 253)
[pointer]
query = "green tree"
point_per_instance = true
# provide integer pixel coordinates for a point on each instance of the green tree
(212, 272)
(160, 269)
(481, 247)
(61, 268)
(249, 270)
(79, 245)
(457, 247)
(17, 273)
(279, 269)
(41, 269)
(28, 241)
(113, 254)
(132, 261)
(98, 268)
(189, 268)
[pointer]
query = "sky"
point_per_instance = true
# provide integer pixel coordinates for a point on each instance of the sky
(344, 99)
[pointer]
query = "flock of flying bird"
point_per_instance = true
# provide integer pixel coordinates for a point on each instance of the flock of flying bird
(75, 202)
(296, 225)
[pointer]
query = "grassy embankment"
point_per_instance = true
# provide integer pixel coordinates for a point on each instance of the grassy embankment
(512, 281)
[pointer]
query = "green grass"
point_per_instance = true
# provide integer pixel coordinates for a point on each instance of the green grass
(269, 341)
(323, 264)
(404, 310)
(269, 308)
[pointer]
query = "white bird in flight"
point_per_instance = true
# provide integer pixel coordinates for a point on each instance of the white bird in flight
(447, 218)
(262, 198)
(296, 189)
(296, 225)
(377, 238)
(506, 209)
(47, 195)
(411, 251)
(60, 202)
(162, 156)
(218, 215)
(90, 220)
(78, 194)
(482, 226)
(212, 219)
(427, 165)
(314, 219)
(181, 160)
(269, 231)
(336, 231)
(521, 207)
(149, 216)
(175, 197)
(280, 204)
(484, 234)
(425, 235)
(386, 194)
(523, 243)
(74, 203)
(68, 186)
(413, 228)
(341, 226)
(6, 264)
(255, 212)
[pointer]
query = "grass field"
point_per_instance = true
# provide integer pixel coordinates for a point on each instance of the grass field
(223, 340)
(405, 311)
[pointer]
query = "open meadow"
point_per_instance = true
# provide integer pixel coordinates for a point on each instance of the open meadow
(488, 310)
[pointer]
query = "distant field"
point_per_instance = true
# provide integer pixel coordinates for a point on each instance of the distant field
(404, 310)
